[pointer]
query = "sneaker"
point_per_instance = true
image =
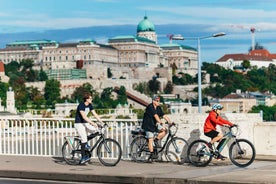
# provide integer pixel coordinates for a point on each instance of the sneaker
(84, 160)
(152, 156)
(210, 146)
(87, 147)
(221, 157)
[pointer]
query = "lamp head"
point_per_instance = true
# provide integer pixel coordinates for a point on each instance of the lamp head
(218, 34)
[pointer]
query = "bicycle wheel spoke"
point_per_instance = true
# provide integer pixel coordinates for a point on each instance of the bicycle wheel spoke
(139, 149)
(176, 150)
(71, 154)
(109, 152)
(199, 154)
(242, 153)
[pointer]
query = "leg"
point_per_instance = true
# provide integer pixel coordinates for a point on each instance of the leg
(150, 137)
(91, 129)
(217, 138)
(81, 129)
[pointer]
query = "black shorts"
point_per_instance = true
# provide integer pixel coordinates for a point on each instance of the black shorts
(212, 134)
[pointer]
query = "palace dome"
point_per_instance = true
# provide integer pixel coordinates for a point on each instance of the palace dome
(145, 25)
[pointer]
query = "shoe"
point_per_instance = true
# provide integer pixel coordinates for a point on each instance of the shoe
(84, 160)
(221, 157)
(210, 146)
(87, 147)
(152, 156)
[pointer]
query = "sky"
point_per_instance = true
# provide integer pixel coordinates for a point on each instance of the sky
(234, 17)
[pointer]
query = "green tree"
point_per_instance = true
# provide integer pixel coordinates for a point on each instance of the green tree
(246, 64)
(169, 88)
(3, 92)
(122, 97)
(109, 73)
(20, 93)
(80, 91)
(52, 92)
(35, 97)
(42, 76)
(269, 113)
(154, 85)
(12, 68)
(142, 87)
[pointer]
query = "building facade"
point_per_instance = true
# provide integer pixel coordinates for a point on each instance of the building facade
(127, 56)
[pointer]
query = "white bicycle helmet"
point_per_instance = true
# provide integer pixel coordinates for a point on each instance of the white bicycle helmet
(217, 106)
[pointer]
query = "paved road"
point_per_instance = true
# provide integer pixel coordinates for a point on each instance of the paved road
(263, 170)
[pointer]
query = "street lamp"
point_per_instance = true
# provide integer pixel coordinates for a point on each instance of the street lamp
(180, 37)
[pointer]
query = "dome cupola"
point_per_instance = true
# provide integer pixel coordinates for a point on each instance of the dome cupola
(145, 25)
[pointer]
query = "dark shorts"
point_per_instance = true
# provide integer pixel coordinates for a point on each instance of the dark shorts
(212, 134)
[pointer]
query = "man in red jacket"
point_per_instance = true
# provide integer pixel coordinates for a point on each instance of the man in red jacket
(210, 124)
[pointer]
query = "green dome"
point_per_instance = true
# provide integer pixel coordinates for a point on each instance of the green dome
(145, 25)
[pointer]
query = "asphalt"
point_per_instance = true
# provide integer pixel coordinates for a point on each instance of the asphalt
(262, 171)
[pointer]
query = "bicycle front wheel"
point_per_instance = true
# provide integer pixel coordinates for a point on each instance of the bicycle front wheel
(109, 152)
(198, 153)
(176, 150)
(139, 150)
(72, 154)
(242, 153)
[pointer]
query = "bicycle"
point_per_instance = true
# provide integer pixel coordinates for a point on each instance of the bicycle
(109, 151)
(173, 148)
(241, 151)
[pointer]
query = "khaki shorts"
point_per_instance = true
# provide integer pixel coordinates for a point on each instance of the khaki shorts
(154, 134)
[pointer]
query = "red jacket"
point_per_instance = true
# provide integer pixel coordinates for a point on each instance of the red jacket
(213, 120)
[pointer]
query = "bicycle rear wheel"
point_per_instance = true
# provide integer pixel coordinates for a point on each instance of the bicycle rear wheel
(199, 154)
(109, 152)
(176, 150)
(242, 153)
(139, 150)
(72, 154)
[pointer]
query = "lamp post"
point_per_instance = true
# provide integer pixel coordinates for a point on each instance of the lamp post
(179, 37)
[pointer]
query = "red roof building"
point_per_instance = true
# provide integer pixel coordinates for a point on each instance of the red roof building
(259, 58)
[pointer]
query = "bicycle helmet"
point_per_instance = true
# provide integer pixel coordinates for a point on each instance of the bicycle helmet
(217, 106)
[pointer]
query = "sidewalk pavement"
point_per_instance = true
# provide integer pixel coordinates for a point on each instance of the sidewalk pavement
(263, 170)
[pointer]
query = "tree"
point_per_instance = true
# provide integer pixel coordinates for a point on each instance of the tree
(142, 87)
(52, 92)
(246, 64)
(12, 67)
(35, 97)
(3, 92)
(42, 76)
(169, 88)
(109, 74)
(122, 97)
(174, 68)
(154, 85)
(20, 93)
(80, 91)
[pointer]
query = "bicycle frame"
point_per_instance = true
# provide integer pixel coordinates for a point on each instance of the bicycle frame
(169, 137)
(227, 136)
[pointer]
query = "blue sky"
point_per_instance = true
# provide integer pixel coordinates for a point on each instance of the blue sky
(234, 17)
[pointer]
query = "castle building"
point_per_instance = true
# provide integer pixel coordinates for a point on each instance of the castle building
(127, 56)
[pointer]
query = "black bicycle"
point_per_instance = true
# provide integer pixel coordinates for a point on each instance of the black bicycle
(109, 151)
(174, 148)
(241, 151)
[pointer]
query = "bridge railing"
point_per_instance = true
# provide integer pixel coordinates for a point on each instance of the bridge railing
(45, 136)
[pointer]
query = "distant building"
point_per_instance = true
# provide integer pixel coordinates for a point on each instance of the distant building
(127, 56)
(258, 58)
(243, 102)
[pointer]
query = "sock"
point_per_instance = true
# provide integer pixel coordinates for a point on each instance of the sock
(83, 149)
